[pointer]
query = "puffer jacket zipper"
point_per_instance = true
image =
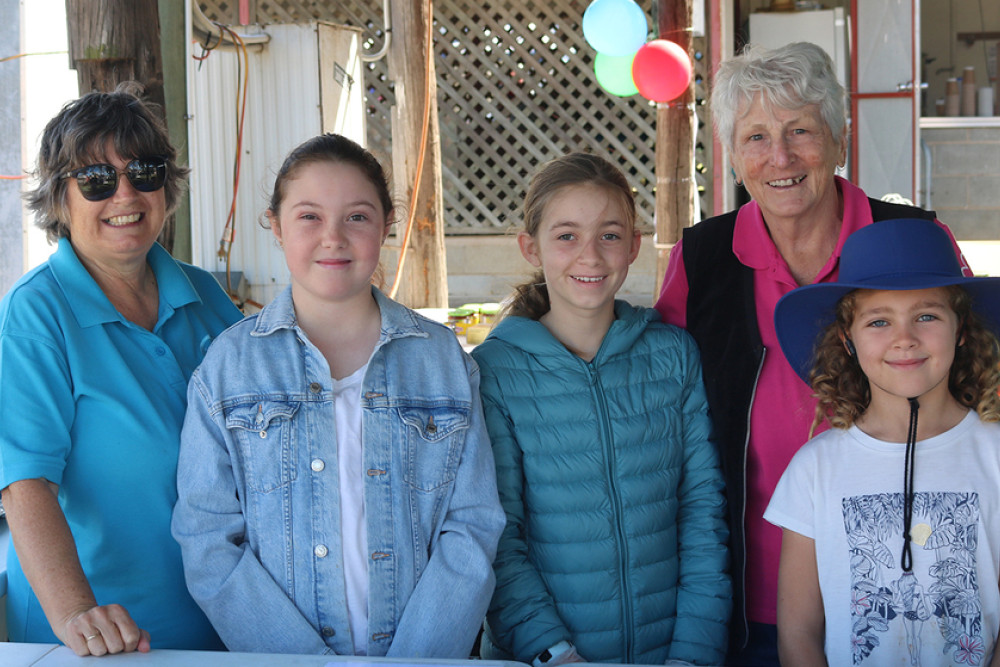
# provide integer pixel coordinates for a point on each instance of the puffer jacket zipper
(611, 470)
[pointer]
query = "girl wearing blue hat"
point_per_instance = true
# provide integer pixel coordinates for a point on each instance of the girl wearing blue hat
(888, 557)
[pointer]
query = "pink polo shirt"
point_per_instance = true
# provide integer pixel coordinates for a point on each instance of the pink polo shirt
(783, 407)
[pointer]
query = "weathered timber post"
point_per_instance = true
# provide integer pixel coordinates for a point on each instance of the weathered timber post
(676, 125)
(411, 65)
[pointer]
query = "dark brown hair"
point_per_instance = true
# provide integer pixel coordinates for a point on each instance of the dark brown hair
(332, 148)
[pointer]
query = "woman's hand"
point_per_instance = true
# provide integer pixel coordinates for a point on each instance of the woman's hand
(103, 630)
(48, 556)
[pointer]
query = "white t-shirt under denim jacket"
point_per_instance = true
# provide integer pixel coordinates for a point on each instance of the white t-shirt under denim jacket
(258, 516)
(844, 489)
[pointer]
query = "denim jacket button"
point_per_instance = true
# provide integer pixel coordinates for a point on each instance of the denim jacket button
(328, 631)
(315, 387)
(263, 434)
(317, 465)
(321, 551)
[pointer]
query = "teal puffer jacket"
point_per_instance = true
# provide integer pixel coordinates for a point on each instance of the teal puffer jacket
(615, 537)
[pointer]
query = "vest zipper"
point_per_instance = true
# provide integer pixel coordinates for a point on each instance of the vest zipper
(743, 514)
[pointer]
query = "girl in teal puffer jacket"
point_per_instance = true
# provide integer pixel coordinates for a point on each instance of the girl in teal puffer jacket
(615, 545)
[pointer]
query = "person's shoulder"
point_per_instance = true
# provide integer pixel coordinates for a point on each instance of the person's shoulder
(509, 338)
(36, 294)
(708, 245)
(197, 275)
(435, 334)
(886, 210)
(434, 342)
(719, 225)
(432, 328)
(989, 430)
(658, 334)
(203, 281)
(493, 350)
(234, 340)
(824, 446)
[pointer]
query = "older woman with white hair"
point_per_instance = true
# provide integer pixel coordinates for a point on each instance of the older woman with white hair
(781, 115)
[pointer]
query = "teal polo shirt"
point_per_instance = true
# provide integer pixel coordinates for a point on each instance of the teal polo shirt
(95, 404)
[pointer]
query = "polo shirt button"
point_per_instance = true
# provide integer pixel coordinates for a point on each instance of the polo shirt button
(328, 631)
(321, 551)
(160, 352)
(317, 465)
(315, 387)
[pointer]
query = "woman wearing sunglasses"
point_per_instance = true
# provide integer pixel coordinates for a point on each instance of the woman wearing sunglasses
(96, 348)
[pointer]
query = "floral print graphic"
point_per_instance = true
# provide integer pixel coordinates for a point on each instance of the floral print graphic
(941, 598)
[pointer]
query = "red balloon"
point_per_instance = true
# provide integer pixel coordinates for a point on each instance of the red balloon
(661, 70)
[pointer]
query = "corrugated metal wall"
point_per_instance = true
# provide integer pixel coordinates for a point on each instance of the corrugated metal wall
(283, 109)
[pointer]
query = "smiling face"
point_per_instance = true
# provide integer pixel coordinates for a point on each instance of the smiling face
(118, 230)
(331, 226)
(905, 343)
(786, 158)
(584, 245)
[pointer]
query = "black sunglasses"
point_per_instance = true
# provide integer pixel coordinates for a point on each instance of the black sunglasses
(100, 181)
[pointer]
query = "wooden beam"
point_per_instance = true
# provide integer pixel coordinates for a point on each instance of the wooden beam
(676, 125)
(411, 67)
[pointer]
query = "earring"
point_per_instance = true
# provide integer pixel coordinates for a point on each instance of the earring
(736, 181)
(851, 350)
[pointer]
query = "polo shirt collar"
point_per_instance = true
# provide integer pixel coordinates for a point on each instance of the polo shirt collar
(88, 303)
(752, 242)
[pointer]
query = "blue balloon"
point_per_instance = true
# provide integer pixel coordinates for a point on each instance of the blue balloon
(615, 27)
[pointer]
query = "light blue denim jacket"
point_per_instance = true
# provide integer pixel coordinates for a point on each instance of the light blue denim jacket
(258, 516)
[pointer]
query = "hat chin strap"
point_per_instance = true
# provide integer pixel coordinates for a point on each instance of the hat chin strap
(906, 560)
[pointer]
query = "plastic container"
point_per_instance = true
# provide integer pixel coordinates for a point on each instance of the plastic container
(460, 319)
(474, 307)
(476, 333)
(488, 313)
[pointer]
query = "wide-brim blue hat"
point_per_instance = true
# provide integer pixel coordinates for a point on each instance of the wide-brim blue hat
(904, 254)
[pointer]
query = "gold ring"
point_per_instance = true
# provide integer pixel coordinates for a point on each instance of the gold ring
(89, 637)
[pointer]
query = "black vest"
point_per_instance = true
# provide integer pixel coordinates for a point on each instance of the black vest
(722, 318)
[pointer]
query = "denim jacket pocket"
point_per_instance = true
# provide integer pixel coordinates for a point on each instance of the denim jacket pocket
(263, 432)
(434, 437)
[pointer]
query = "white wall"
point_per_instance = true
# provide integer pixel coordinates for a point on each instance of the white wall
(47, 83)
(10, 148)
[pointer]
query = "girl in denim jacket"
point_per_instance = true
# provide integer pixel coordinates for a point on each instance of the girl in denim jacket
(336, 485)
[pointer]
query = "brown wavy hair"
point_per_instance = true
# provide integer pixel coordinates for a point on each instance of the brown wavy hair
(842, 388)
(531, 299)
(80, 134)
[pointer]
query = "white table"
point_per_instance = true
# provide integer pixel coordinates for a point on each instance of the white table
(56, 655)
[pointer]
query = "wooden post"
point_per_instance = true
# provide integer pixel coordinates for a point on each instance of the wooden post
(111, 41)
(424, 280)
(676, 125)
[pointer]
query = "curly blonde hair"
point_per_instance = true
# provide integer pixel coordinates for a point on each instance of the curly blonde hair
(841, 387)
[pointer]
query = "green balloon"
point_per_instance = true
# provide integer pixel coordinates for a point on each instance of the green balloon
(614, 73)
